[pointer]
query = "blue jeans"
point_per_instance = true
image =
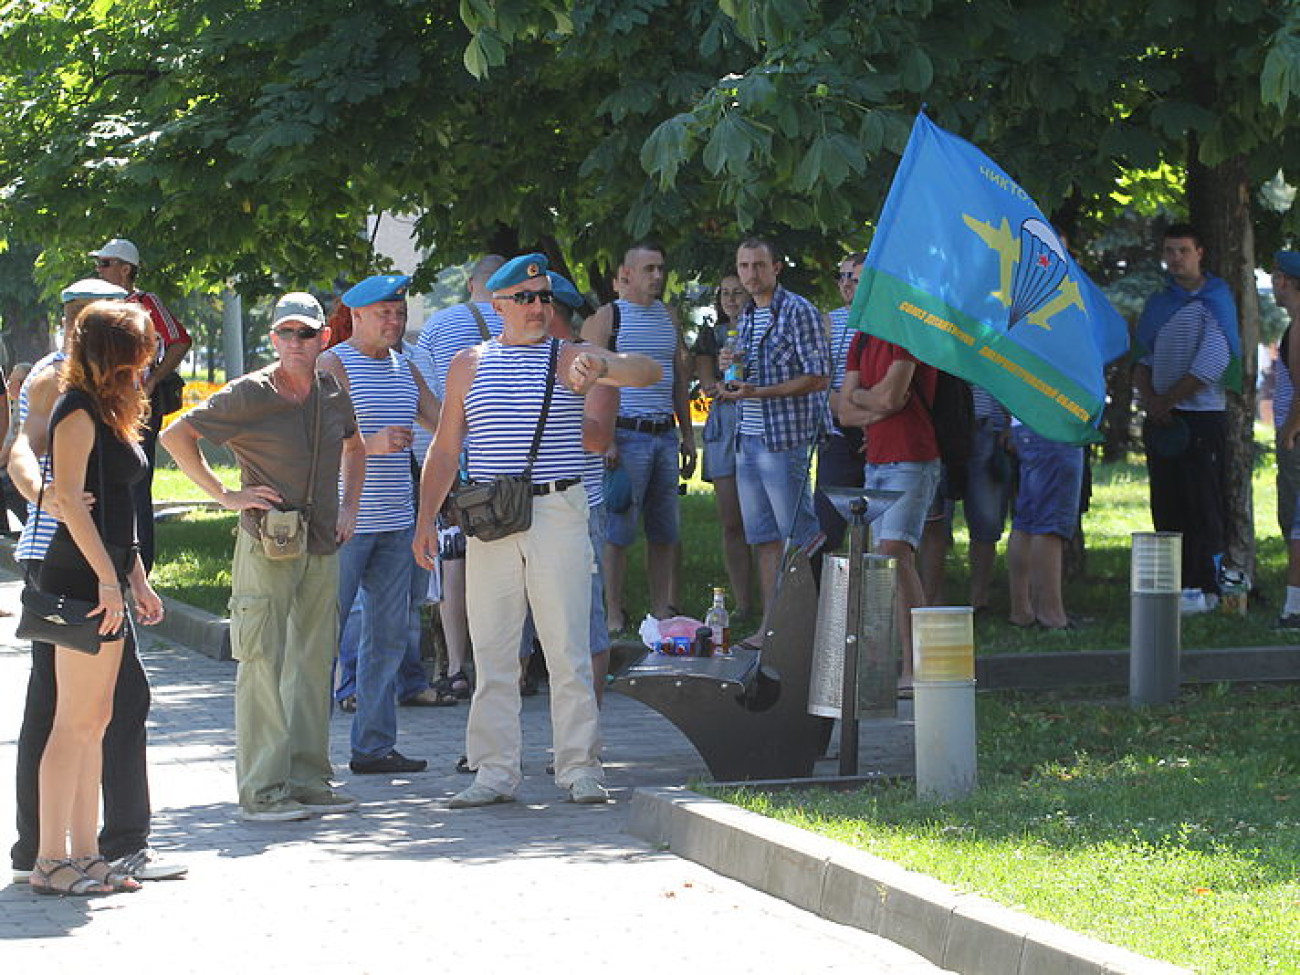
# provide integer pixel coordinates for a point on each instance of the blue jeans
(918, 481)
(379, 565)
(775, 493)
(988, 484)
(412, 678)
(652, 464)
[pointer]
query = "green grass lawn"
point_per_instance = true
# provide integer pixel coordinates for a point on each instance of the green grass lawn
(194, 555)
(1173, 831)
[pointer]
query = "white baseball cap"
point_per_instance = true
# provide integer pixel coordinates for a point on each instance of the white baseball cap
(298, 306)
(120, 248)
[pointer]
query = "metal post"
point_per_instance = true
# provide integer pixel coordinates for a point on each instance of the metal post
(232, 333)
(943, 689)
(859, 538)
(1155, 625)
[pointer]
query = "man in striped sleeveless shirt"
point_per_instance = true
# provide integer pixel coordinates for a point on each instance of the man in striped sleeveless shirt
(1180, 382)
(127, 812)
(1286, 422)
(389, 398)
(654, 439)
(839, 459)
(494, 399)
(784, 413)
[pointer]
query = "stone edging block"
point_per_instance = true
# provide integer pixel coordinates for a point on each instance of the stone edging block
(965, 933)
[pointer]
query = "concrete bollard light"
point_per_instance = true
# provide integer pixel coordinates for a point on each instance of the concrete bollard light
(943, 689)
(1155, 632)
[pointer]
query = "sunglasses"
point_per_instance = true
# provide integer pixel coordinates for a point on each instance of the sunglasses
(304, 333)
(847, 275)
(528, 297)
(107, 262)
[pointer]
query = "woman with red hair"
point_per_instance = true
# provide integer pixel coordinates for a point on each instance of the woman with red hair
(95, 432)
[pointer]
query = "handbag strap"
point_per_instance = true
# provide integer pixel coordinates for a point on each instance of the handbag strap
(482, 322)
(40, 495)
(319, 390)
(546, 405)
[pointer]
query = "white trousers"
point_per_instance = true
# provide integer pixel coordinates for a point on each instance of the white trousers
(547, 568)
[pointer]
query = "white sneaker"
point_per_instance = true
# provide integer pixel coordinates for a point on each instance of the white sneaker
(147, 864)
(477, 795)
(277, 811)
(586, 790)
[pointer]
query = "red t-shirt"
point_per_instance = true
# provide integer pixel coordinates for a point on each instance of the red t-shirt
(908, 435)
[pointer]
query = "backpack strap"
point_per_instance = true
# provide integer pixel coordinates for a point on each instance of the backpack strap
(483, 329)
(614, 326)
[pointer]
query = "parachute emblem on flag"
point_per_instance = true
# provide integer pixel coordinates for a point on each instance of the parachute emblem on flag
(1041, 269)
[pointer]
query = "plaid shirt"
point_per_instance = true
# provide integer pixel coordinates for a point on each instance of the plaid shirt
(794, 345)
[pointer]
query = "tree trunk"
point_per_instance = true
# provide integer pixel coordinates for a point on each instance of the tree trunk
(1218, 200)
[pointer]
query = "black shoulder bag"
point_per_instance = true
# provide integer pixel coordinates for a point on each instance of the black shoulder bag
(63, 620)
(503, 506)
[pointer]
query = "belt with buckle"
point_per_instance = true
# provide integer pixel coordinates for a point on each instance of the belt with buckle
(555, 487)
(645, 426)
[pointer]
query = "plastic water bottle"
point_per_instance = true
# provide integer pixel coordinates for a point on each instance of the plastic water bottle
(718, 620)
(735, 373)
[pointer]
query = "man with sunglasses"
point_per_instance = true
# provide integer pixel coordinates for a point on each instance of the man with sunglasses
(283, 612)
(495, 396)
(118, 262)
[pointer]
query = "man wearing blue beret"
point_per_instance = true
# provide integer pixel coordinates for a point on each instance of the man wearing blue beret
(495, 396)
(1286, 421)
(390, 398)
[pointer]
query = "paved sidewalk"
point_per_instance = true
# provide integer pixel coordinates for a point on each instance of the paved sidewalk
(404, 884)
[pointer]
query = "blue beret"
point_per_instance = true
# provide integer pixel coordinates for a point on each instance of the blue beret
(564, 291)
(91, 289)
(523, 268)
(1288, 262)
(379, 287)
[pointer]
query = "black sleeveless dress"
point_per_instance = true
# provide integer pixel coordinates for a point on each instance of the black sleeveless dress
(112, 467)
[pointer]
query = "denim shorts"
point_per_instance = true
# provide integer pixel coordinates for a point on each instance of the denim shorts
(719, 436)
(918, 480)
(776, 499)
(652, 462)
(1051, 477)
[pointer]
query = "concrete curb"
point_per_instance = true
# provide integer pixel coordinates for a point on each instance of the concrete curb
(965, 933)
(195, 628)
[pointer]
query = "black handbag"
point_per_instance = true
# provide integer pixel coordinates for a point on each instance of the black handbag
(49, 617)
(503, 506)
(171, 393)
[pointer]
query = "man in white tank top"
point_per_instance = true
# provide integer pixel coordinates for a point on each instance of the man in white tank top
(495, 391)
(654, 441)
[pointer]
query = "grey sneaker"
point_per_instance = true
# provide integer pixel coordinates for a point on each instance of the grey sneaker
(22, 876)
(147, 864)
(586, 790)
(477, 795)
(1288, 621)
(275, 811)
(325, 801)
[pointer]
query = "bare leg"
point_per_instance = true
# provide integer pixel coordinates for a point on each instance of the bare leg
(983, 557)
(661, 571)
(1045, 561)
(1018, 572)
(769, 565)
(909, 595)
(71, 766)
(599, 670)
(455, 624)
(736, 554)
(615, 571)
(936, 540)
